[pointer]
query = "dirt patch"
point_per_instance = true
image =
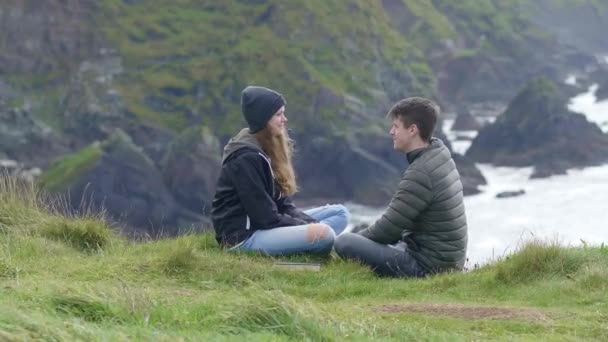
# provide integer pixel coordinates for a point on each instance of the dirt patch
(467, 311)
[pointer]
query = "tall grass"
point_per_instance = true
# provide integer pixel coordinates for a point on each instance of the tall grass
(65, 276)
(275, 312)
(539, 259)
(27, 211)
(21, 203)
(89, 309)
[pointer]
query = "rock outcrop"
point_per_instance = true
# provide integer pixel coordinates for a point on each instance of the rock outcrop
(470, 175)
(602, 91)
(538, 130)
(26, 139)
(363, 168)
(191, 167)
(349, 168)
(512, 193)
(465, 122)
(117, 177)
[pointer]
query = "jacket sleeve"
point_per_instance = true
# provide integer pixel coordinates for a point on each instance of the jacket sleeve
(248, 174)
(412, 197)
(286, 206)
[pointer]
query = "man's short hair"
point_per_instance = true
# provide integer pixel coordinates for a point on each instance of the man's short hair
(417, 111)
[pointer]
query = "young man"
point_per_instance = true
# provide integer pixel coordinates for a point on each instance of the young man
(252, 209)
(424, 228)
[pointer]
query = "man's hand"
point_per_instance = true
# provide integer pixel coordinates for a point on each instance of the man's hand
(359, 227)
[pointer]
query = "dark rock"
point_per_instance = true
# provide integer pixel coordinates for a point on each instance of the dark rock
(174, 91)
(24, 138)
(48, 37)
(470, 175)
(578, 23)
(482, 77)
(549, 168)
(191, 168)
(602, 91)
(153, 139)
(363, 168)
(117, 177)
(341, 167)
(538, 130)
(439, 133)
(507, 194)
(465, 122)
(90, 111)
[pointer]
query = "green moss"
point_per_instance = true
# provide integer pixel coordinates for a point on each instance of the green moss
(173, 120)
(431, 25)
(542, 86)
(70, 167)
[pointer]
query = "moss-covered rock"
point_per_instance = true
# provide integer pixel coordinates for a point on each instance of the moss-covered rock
(70, 168)
(117, 177)
(191, 167)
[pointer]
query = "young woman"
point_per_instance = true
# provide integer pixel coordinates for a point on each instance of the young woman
(252, 209)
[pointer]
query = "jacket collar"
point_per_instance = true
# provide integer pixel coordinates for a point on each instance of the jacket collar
(414, 154)
(243, 139)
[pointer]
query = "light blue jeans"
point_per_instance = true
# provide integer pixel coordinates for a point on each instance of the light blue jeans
(300, 239)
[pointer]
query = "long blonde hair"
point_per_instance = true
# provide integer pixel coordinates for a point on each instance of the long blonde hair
(279, 149)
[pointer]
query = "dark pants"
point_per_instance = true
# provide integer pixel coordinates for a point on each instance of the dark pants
(384, 260)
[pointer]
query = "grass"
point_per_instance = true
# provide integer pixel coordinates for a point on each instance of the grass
(73, 278)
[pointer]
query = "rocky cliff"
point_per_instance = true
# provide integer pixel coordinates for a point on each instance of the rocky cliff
(168, 76)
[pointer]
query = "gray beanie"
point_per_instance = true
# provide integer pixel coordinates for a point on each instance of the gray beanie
(258, 105)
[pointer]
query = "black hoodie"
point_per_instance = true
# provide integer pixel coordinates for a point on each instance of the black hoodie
(247, 197)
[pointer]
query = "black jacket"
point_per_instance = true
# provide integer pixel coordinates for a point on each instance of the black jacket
(247, 197)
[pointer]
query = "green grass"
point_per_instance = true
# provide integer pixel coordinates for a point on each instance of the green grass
(73, 278)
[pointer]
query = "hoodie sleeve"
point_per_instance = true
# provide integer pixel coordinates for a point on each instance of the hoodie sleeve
(248, 175)
(286, 206)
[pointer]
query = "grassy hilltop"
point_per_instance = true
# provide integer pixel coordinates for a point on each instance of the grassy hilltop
(72, 278)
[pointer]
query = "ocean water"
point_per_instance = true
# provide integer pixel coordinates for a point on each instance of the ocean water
(586, 103)
(571, 209)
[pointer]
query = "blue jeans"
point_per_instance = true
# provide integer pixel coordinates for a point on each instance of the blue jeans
(385, 260)
(300, 239)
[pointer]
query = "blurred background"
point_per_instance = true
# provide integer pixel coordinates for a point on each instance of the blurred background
(125, 105)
